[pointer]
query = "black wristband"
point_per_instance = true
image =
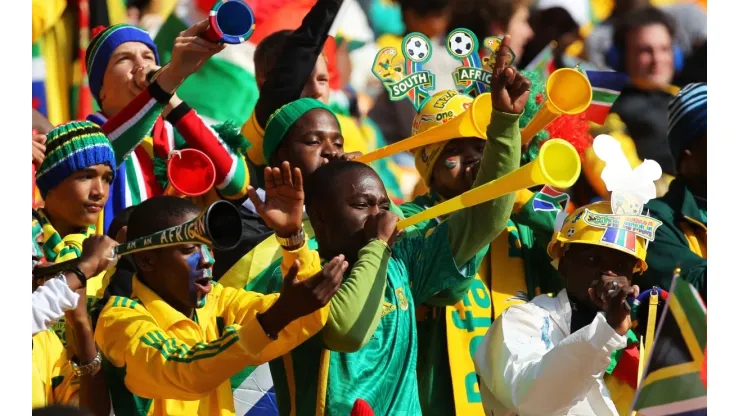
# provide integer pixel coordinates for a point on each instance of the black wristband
(76, 270)
(177, 113)
(162, 96)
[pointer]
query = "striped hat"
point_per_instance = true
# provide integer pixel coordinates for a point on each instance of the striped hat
(283, 119)
(102, 46)
(72, 147)
(687, 118)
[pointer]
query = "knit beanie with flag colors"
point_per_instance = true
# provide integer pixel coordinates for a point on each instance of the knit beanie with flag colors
(104, 43)
(70, 148)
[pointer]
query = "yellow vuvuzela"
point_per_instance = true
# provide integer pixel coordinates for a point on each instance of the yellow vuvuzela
(471, 123)
(557, 165)
(568, 92)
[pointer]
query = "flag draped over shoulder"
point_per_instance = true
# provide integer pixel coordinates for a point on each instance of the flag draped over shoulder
(672, 384)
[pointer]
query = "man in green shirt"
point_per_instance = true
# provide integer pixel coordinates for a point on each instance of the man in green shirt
(682, 240)
(368, 349)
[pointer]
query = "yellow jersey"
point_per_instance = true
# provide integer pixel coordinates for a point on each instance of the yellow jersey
(53, 381)
(159, 362)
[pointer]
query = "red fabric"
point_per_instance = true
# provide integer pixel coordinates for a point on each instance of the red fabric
(266, 9)
(200, 137)
(288, 16)
(128, 112)
(147, 171)
(330, 51)
(361, 408)
(160, 141)
(626, 369)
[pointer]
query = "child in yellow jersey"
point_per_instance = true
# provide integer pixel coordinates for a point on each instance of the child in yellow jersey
(170, 348)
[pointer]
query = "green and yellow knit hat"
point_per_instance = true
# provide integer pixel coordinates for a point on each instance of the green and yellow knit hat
(283, 119)
(72, 147)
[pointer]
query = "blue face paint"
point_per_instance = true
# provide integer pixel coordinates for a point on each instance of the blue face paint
(194, 260)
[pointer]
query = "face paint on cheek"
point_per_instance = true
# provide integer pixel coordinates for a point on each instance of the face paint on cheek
(193, 261)
(208, 256)
(450, 163)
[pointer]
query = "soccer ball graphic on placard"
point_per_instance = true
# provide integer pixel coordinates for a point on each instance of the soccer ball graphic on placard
(460, 44)
(416, 49)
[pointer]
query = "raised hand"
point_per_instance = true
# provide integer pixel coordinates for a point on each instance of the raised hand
(97, 254)
(283, 207)
(190, 52)
(309, 295)
(509, 88)
(383, 227)
(300, 298)
(610, 294)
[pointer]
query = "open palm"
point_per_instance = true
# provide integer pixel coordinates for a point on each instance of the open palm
(283, 207)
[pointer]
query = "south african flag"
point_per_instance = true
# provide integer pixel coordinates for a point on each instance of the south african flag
(673, 383)
(606, 86)
(550, 199)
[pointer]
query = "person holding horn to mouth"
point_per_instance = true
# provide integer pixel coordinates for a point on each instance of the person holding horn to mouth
(171, 346)
(549, 356)
(371, 324)
(146, 121)
(515, 269)
(290, 123)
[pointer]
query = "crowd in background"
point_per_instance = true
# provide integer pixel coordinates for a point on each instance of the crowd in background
(119, 86)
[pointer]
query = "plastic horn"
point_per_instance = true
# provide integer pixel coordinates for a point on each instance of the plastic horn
(231, 21)
(219, 226)
(557, 165)
(190, 172)
(471, 123)
(568, 92)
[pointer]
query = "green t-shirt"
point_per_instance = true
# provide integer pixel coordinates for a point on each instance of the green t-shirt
(383, 371)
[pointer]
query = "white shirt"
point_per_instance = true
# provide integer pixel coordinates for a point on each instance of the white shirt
(49, 302)
(530, 364)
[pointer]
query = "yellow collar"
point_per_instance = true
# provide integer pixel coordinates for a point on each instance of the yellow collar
(163, 313)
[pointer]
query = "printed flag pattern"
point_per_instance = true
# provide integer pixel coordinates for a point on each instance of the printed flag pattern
(254, 394)
(38, 77)
(672, 384)
(607, 86)
(621, 238)
(549, 199)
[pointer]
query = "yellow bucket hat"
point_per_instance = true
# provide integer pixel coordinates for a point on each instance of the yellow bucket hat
(439, 109)
(597, 225)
